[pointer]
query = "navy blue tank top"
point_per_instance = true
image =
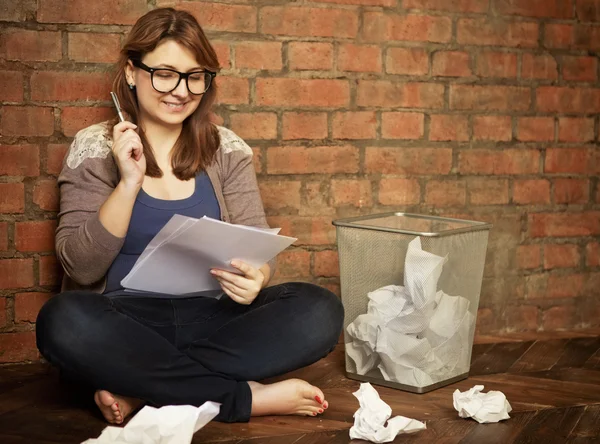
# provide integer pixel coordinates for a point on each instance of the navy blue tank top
(147, 219)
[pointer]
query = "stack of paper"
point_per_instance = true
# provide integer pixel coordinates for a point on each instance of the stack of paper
(178, 259)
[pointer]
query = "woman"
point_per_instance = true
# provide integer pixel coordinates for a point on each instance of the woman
(119, 185)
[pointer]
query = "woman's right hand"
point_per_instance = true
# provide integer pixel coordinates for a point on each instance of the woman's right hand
(128, 152)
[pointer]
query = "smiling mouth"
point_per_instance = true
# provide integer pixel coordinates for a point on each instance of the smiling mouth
(175, 105)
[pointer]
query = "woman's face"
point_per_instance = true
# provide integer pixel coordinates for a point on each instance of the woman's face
(171, 108)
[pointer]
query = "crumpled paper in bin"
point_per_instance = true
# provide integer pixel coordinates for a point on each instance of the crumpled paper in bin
(482, 407)
(413, 334)
(370, 418)
(172, 424)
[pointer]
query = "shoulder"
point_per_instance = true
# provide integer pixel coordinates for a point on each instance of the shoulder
(95, 141)
(232, 143)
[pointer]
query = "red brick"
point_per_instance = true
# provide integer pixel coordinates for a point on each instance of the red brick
(451, 64)
(539, 67)
(233, 90)
(381, 27)
(257, 157)
(3, 236)
(558, 318)
(566, 160)
(571, 191)
(258, 55)
(561, 256)
(485, 317)
(18, 347)
(522, 317)
(293, 264)
(16, 273)
(586, 37)
(498, 128)
(310, 55)
(81, 11)
(535, 129)
(558, 35)
(280, 194)
(3, 312)
(403, 160)
(74, 118)
(354, 125)
(397, 125)
(361, 2)
(583, 69)
(583, 223)
(326, 264)
(381, 93)
(558, 99)
(491, 98)
(313, 22)
(355, 192)
(575, 129)
(17, 11)
(398, 191)
(407, 61)
(45, 195)
(449, 127)
(592, 254)
(26, 45)
(445, 5)
(11, 86)
(531, 191)
(497, 64)
(483, 31)
(26, 121)
(50, 271)
(28, 305)
(507, 161)
(488, 191)
(302, 92)
(588, 10)
(255, 125)
(12, 198)
(359, 58)
(19, 160)
(222, 49)
(35, 236)
(319, 159)
(568, 286)
(304, 126)
(316, 199)
(94, 47)
(69, 86)
(54, 158)
(528, 256)
(445, 193)
(536, 8)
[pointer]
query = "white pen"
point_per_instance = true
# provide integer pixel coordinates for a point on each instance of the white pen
(118, 106)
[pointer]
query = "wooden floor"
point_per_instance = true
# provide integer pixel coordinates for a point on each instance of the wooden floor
(551, 381)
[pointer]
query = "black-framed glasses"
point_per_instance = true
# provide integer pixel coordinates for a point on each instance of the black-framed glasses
(165, 80)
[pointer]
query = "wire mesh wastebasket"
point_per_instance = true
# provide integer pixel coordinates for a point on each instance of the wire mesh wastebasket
(410, 287)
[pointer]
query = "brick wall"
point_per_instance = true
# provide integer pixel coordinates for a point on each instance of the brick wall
(484, 109)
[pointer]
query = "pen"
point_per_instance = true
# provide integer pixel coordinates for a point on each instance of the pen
(118, 106)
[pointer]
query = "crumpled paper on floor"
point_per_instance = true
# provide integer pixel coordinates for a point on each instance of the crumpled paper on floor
(482, 407)
(172, 424)
(370, 418)
(413, 334)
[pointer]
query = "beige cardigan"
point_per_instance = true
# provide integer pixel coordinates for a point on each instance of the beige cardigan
(89, 175)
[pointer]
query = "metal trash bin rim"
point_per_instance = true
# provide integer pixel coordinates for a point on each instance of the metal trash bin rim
(351, 222)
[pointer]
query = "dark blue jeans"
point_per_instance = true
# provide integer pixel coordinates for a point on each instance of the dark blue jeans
(190, 350)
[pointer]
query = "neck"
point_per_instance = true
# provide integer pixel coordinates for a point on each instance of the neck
(162, 138)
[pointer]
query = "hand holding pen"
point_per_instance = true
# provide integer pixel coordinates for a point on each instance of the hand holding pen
(128, 151)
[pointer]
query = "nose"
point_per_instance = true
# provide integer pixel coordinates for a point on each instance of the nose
(181, 90)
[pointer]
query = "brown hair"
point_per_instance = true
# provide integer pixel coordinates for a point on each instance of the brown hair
(199, 138)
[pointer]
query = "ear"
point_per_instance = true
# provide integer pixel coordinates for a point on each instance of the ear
(129, 72)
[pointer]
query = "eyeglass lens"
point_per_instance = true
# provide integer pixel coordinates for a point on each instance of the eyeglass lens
(166, 81)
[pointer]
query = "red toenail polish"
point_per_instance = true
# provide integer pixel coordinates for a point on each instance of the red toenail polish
(318, 400)
(314, 413)
(320, 410)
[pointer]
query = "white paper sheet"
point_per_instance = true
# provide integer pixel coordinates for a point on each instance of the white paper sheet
(179, 258)
(482, 407)
(166, 425)
(370, 418)
(413, 334)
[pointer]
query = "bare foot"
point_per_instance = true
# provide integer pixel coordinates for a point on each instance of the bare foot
(115, 408)
(289, 397)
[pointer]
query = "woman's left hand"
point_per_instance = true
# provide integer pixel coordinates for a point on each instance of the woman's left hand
(244, 288)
